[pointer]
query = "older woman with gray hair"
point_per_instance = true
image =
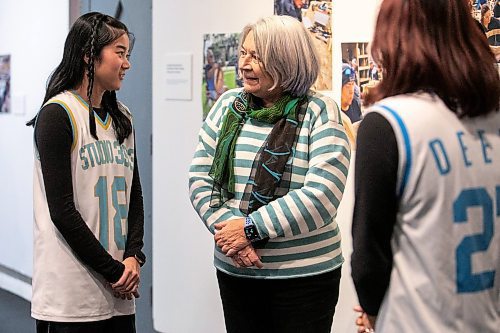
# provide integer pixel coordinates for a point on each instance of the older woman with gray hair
(266, 179)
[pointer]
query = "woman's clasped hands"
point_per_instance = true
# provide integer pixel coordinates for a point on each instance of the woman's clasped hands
(230, 238)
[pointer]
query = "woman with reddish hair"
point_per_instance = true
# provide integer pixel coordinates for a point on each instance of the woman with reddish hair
(426, 254)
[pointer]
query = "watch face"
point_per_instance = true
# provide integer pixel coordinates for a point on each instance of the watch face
(251, 232)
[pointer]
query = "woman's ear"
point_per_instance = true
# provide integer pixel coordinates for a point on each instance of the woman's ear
(86, 59)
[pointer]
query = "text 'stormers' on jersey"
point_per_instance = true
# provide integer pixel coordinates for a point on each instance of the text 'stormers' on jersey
(101, 173)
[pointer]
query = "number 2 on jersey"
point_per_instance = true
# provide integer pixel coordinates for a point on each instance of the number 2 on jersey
(468, 282)
(121, 211)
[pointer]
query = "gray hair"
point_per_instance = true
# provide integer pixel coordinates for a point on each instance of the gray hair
(287, 52)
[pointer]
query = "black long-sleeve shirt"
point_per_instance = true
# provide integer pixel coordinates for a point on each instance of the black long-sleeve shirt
(53, 138)
(375, 210)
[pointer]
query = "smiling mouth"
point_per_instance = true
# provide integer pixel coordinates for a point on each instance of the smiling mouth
(248, 78)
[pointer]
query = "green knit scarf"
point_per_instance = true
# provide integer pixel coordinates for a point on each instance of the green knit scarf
(222, 170)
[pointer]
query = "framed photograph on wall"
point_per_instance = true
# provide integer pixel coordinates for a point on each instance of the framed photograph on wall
(220, 67)
(5, 100)
(317, 18)
(359, 74)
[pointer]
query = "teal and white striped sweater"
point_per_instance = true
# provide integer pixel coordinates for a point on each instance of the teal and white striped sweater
(304, 236)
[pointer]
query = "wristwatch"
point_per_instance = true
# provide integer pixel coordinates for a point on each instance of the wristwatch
(251, 232)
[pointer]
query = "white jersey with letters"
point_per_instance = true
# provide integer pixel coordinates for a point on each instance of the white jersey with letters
(446, 241)
(64, 289)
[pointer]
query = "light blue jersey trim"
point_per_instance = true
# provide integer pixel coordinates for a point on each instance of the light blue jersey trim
(406, 138)
(82, 101)
(103, 122)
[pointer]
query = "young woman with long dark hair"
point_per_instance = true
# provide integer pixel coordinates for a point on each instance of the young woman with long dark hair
(88, 206)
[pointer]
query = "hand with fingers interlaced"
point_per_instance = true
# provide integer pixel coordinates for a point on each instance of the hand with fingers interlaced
(128, 284)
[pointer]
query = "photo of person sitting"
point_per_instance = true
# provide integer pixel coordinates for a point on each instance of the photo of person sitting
(373, 72)
(349, 103)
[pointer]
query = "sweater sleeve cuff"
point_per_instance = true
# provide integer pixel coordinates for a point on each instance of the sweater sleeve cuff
(137, 254)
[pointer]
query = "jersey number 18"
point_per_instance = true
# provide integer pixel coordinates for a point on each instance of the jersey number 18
(121, 211)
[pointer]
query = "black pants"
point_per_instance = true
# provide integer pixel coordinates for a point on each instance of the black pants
(118, 324)
(299, 305)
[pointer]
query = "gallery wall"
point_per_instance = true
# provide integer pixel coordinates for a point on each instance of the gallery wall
(185, 292)
(183, 274)
(33, 33)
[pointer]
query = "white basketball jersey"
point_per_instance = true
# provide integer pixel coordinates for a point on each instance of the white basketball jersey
(446, 242)
(63, 288)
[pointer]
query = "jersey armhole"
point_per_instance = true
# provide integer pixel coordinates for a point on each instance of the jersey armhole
(72, 121)
(404, 147)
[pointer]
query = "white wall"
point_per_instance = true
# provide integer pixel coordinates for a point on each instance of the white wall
(185, 292)
(33, 33)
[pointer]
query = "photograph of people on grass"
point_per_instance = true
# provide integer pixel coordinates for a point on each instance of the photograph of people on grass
(220, 67)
